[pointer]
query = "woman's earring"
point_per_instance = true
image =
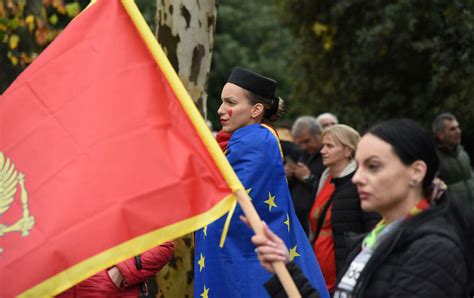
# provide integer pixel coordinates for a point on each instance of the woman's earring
(413, 183)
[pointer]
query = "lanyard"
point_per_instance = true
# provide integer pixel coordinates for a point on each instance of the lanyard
(346, 286)
(371, 238)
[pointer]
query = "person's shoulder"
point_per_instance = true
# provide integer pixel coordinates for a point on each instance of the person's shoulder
(433, 250)
(433, 227)
(269, 135)
(439, 239)
(463, 153)
(254, 135)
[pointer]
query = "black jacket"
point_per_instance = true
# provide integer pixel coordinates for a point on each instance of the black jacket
(303, 192)
(347, 216)
(427, 256)
(424, 257)
(290, 151)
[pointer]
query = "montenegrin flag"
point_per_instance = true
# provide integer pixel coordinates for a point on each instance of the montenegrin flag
(103, 155)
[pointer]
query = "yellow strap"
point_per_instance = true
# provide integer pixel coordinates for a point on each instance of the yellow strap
(276, 136)
(227, 224)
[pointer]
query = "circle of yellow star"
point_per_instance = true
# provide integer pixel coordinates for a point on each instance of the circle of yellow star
(293, 253)
(270, 202)
(201, 262)
(205, 293)
(204, 230)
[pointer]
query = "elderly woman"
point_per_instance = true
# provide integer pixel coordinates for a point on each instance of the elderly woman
(336, 210)
(252, 149)
(418, 249)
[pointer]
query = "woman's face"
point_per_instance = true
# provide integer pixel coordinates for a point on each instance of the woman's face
(333, 152)
(382, 180)
(235, 111)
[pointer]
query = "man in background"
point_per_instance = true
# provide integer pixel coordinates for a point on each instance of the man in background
(303, 174)
(455, 166)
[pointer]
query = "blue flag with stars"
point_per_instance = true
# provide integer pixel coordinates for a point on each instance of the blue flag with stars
(234, 270)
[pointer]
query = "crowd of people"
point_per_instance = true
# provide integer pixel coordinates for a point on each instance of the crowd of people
(388, 214)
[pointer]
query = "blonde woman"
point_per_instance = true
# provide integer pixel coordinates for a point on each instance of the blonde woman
(336, 209)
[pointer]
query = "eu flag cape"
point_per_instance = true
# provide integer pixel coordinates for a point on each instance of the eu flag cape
(234, 270)
(103, 155)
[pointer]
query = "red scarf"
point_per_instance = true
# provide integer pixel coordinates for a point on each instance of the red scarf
(223, 139)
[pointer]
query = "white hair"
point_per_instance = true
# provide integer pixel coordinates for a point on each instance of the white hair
(323, 115)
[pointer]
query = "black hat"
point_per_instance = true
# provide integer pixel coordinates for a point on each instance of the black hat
(257, 84)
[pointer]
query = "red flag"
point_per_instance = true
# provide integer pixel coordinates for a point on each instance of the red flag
(102, 155)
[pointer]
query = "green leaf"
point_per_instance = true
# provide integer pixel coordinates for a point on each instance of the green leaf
(53, 19)
(73, 9)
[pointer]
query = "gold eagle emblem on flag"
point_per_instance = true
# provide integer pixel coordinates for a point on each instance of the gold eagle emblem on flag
(9, 181)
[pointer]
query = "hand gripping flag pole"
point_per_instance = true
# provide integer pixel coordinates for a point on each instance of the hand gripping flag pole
(280, 269)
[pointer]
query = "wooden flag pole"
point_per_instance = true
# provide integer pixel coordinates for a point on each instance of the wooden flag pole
(256, 223)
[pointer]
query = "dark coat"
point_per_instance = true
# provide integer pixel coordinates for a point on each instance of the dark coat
(303, 192)
(347, 217)
(429, 255)
(290, 151)
(276, 290)
(425, 257)
(455, 170)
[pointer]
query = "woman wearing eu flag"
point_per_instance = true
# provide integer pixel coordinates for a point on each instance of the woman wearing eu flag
(253, 150)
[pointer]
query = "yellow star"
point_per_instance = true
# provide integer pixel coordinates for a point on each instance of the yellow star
(293, 253)
(248, 190)
(204, 230)
(270, 202)
(205, 293)
(201, 263)
(287, 222)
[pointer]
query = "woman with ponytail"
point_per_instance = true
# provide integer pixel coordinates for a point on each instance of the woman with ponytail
(252, 148)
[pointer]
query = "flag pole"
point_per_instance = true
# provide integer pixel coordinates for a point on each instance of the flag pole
(256, 223)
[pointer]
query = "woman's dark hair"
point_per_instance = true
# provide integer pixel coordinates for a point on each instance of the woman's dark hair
(410, 143)
(274, 108)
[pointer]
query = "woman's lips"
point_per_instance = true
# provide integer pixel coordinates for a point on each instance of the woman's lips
(363, 195)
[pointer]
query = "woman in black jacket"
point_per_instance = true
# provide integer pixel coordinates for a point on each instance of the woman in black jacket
(336, 210)
(418, 249)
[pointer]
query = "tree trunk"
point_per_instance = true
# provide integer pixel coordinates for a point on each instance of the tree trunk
(185, 31)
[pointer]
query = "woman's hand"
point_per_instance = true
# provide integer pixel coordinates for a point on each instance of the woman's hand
(289, 170)
(116, 276)
(270, 248)
(439, 188)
